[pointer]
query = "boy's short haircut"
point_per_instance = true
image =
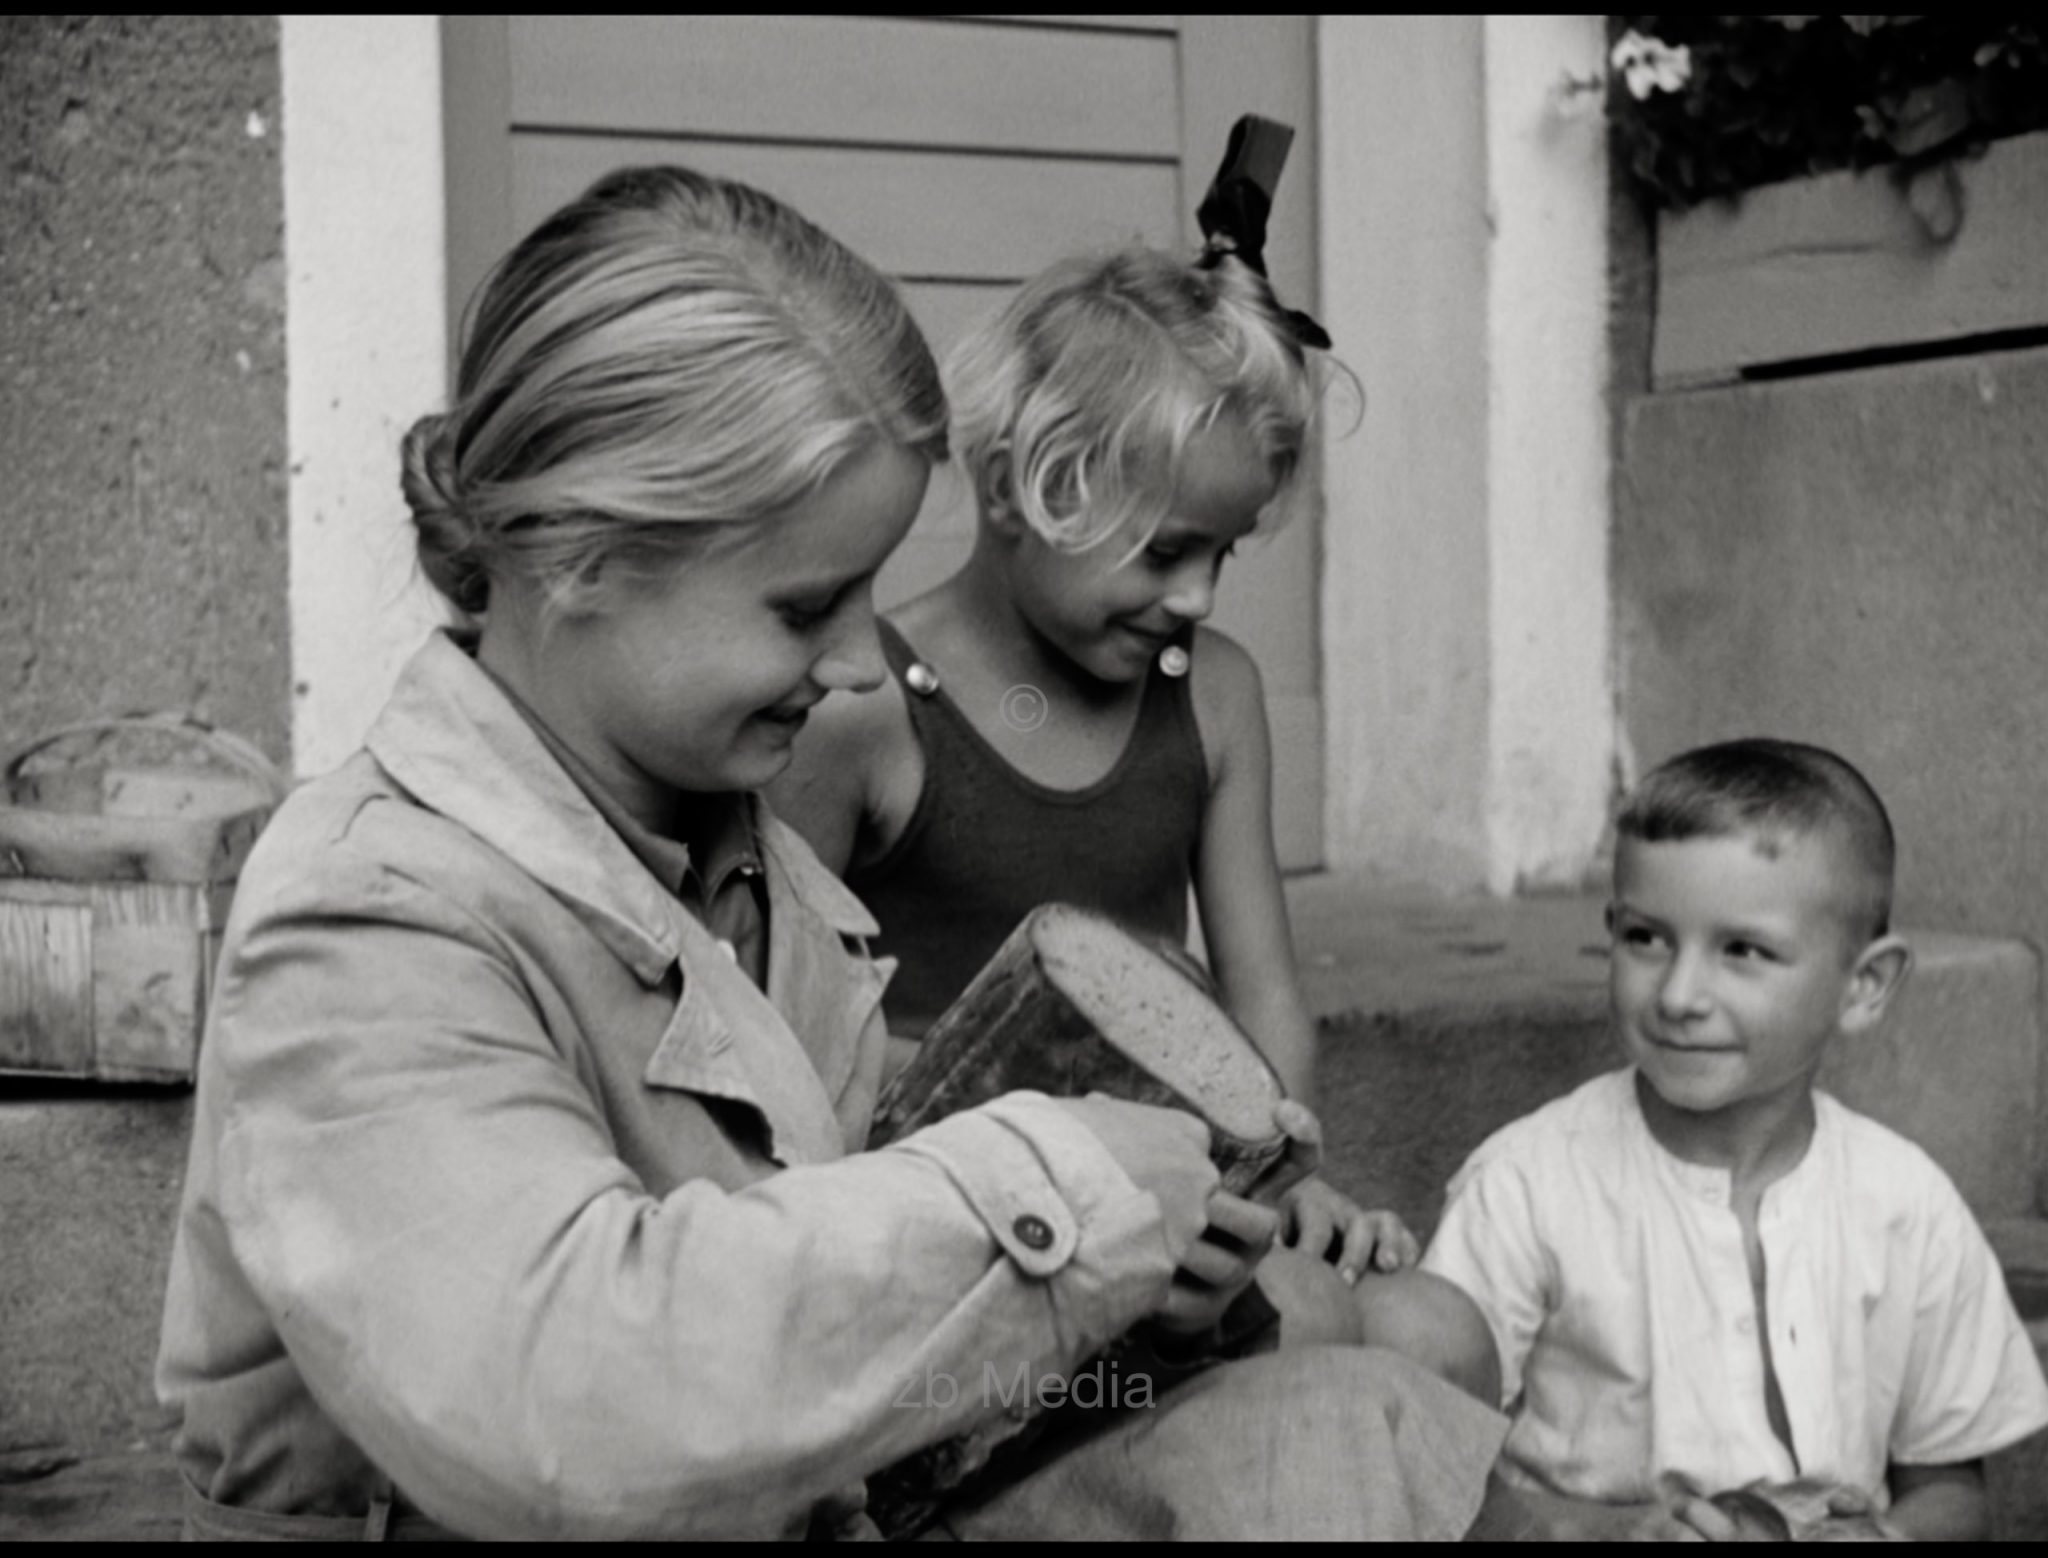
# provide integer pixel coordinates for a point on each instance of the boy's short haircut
(1767, 787)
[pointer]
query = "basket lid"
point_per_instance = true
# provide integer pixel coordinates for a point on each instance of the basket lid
(97, 818)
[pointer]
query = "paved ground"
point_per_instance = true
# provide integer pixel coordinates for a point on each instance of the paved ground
(1365, 952)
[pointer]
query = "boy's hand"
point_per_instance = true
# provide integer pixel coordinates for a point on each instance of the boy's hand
(1323, 1222)
(1684, 1513)
(1519, 1515)
(1690, 1520)
(1852, 1516)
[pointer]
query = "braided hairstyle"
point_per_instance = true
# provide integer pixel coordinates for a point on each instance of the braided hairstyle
(669, 351)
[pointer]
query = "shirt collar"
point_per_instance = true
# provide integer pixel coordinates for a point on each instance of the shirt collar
(451, 737)
(1714, 1185)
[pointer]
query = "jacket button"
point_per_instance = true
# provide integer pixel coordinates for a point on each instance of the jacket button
(1033, 1232)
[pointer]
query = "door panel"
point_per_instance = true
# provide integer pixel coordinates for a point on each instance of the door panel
(939, 215)
(865, 80)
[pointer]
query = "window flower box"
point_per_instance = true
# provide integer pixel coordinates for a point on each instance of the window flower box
(1854, 262)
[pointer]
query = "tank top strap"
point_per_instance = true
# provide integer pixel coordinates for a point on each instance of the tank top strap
(1167, 722)
(933, 719)
(1165, 738)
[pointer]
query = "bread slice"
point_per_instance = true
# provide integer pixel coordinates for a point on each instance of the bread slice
(1073, 1003)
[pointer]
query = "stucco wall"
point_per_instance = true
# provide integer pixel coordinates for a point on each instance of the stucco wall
(1860, 560)
(142, 404)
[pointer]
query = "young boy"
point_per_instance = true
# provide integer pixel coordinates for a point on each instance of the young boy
(1703, 1273)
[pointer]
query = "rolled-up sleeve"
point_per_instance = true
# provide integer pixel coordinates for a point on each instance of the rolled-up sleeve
(428, 1203)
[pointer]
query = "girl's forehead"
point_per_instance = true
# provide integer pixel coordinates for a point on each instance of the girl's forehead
(849, 522)
(1223, 450)
(1223, 481)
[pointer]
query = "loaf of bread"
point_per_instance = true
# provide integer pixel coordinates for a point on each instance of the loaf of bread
(1073, 1003)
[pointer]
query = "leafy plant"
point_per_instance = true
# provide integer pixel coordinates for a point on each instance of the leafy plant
(1707, 106)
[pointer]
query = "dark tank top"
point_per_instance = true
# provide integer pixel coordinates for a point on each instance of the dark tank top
(986, 845)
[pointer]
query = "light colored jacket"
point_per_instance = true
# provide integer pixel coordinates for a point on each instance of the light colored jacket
(509, 1188)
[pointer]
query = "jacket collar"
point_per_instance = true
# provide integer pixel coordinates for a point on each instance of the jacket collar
(815, 887)
(453, 740)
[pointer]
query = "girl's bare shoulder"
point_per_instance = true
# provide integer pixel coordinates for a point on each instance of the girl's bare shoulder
(936, 627)
(930, 612)
(838, 769)
(1229, 695)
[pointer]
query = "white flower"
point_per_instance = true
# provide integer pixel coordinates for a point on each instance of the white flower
(1651, 64)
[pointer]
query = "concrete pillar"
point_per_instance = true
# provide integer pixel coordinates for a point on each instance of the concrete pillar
(366, 340)
(1469, 710)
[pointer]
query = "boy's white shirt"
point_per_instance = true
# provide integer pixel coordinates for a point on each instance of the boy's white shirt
(1614, 1278)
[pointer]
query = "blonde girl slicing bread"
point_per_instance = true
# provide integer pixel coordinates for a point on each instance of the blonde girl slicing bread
(525, 1194)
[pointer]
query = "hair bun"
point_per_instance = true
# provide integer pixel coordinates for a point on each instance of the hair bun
(429, 477)
(450, 556)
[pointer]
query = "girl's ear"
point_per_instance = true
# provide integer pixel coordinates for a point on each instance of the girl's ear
(586, 592)
(1880, 970)
(995, 495)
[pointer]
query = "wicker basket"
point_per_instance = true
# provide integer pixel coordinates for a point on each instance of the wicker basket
(117, 867)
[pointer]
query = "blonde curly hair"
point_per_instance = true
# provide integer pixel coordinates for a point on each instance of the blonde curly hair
(1076, 402)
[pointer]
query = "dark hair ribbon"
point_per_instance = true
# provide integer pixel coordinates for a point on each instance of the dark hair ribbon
(1234, 212)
